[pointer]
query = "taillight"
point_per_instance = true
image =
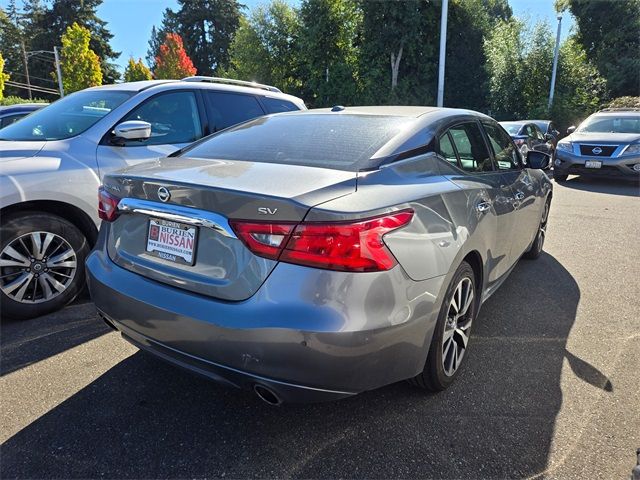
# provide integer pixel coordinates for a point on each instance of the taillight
(263, 239)
(107, 205)
(346, 246)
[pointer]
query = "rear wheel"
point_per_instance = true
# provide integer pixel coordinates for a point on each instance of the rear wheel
(41, 264)
(536, 247)
(451, 336)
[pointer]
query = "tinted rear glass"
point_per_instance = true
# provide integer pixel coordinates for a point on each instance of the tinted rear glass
(343, 142)
(277, 105)
(512, 128)
(226, 109)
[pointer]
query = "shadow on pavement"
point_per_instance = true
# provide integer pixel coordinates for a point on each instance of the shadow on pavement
(145, 419)
(602, 185)
(25, 342)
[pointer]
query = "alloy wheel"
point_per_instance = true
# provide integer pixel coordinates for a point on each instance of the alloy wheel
(37, 267)
(457, 326)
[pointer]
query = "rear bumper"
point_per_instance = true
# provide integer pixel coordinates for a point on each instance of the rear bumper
(309, 337)
(612, 167)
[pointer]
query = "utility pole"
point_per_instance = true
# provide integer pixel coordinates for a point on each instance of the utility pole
(555, 63)
(58, 71)
(443, 51)
(26, 68)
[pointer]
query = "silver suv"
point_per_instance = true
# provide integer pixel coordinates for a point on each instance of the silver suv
(52, 162)
(606, 144)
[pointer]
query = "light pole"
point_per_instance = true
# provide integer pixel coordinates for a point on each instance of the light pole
(58, 71)
(443, 51)
(555, 63)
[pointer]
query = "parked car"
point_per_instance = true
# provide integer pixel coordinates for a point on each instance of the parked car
(528, 136)
(52, 162)
(319, 254)
(548, 129)
(12, 113)
(606, 144)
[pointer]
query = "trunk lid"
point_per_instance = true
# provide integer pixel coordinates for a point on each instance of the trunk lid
(202, 197)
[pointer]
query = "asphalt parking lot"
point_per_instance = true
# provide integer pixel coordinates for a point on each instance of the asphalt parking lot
(550, 387)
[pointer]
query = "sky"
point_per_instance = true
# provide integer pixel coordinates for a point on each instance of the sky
(130, 21)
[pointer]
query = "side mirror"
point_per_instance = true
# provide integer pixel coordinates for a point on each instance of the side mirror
(549, 137)
(538, 160)
(133, 130)
(571, 129)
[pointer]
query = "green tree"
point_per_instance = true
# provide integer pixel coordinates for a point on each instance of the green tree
(206, 27)
(580, 89)
(136, 71)
(172, 61)
(519, 62)
(609, 32)
(398, 52)
(3, 77)
(264, 48)
(80, 65)
(470, 21)
(11, 38)
(169, 24)
(505, 55)
(328, 49)
(47, 25)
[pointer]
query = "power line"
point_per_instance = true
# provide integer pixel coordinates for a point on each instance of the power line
(31, 87)
(31, 76)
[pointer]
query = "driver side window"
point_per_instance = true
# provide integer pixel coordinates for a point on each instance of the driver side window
(174, 119)
(505, 152)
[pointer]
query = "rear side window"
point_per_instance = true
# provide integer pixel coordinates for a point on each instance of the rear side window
(343, 142)
(276, 105)
(9, 119)
(504, 150)
(471, 148)
(227, 109)
(446, 151)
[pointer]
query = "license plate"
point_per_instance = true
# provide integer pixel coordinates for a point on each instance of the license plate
(592, 164)
(172, 241)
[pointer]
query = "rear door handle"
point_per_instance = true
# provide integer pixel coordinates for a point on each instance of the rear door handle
(483, 206)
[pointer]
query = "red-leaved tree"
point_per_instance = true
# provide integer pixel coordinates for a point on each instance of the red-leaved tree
(172, 61)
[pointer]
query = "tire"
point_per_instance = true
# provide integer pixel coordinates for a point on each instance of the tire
(435, 376)
(560, 178)
(538, 243)
(29, 289)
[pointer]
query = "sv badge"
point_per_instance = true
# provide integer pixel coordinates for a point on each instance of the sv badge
(267, 211)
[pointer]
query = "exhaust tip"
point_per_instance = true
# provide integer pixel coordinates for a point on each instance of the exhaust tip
(267, 395)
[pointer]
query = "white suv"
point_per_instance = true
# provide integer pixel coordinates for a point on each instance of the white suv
(52, 161)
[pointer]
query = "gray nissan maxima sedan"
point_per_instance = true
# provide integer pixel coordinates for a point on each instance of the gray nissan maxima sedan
(315, 255)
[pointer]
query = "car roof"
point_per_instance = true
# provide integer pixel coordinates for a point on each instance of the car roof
(516, 122)
(22, 107)
(618, 113)
(204, 84)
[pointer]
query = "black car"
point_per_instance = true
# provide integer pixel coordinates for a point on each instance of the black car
(547, 127)
(13, 113)
(528, 136)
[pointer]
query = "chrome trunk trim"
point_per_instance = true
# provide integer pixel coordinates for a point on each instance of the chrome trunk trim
(177, 213)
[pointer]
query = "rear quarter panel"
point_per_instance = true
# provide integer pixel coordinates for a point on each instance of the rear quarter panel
(444, 228)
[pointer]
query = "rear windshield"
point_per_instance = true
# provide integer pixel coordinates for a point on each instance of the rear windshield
(342, 142)
(512, 128)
